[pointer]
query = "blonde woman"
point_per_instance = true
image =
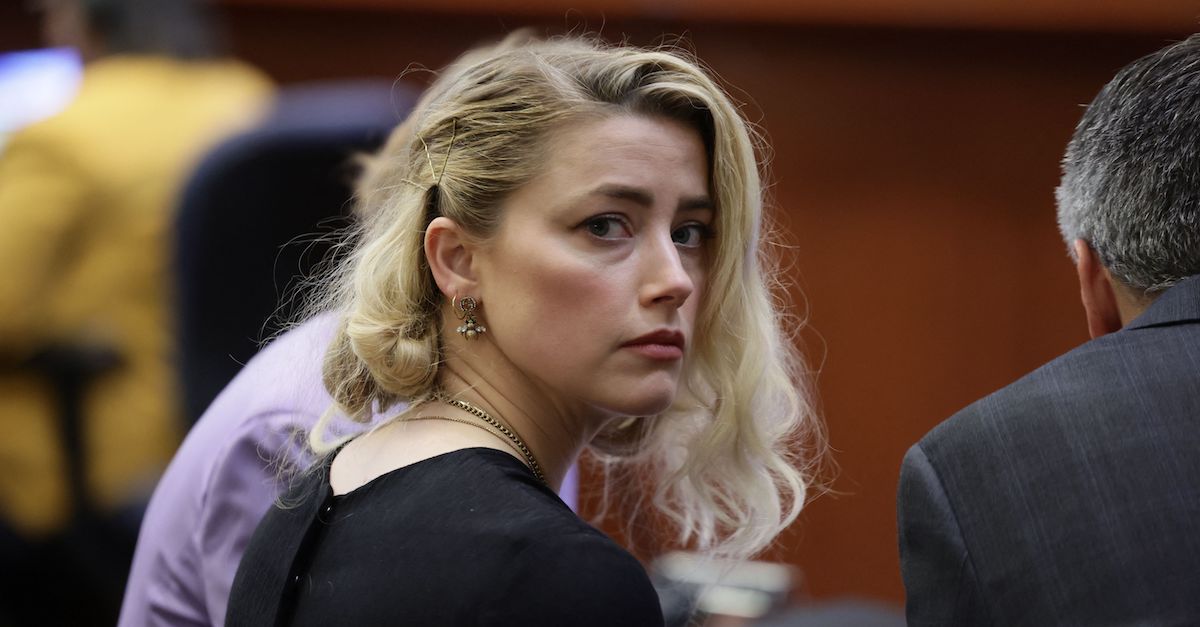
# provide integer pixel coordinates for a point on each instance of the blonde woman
(562, 254)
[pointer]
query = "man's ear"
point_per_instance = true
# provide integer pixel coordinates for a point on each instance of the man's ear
(450, 254)
(1096, 291)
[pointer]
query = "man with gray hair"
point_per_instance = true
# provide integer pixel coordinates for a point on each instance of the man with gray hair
(1072, 497)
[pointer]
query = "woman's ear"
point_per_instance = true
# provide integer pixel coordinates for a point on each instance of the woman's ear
(450, 254)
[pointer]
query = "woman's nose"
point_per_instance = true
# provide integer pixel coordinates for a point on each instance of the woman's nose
(666, 278)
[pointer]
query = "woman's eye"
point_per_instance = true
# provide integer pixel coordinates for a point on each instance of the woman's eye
(607, 227)
(690, 235)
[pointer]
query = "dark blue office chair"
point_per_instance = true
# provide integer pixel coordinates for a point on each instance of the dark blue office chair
(259, 213)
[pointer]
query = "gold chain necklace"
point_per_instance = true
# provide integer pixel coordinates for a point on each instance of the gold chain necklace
(498, 426)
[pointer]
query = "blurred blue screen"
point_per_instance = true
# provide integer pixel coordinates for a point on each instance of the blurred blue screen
(35, 84)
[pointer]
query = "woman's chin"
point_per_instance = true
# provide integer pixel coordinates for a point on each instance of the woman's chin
(645, 402)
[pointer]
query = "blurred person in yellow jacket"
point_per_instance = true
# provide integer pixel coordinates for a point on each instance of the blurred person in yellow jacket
(86, 201)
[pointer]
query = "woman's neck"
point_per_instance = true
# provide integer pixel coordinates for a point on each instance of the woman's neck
(554, 431)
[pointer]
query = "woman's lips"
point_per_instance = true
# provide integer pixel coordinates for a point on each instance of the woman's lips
(660, 345)
(657, 352)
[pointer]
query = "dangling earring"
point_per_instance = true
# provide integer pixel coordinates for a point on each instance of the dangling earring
(465, 308)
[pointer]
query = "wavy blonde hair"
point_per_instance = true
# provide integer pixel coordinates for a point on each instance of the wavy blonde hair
(726, 466)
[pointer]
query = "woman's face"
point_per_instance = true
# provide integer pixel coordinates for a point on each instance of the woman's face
(591, 286)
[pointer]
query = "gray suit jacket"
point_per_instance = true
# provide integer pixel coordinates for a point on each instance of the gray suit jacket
(1071, 497)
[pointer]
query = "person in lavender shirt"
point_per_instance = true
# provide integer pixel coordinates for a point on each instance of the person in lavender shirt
(221, 482)
(223, 479)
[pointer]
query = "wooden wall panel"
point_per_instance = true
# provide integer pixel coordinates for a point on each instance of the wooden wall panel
(913, 173)
(1096, 15)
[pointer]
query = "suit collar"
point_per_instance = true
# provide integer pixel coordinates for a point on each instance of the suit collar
(1180, 303)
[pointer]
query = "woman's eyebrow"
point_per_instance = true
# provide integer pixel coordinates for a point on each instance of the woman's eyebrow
(645, 198)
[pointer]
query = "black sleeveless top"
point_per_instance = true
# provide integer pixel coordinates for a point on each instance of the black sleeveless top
(469, 537)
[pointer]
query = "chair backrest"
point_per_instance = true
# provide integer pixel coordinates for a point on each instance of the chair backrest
(257, 215)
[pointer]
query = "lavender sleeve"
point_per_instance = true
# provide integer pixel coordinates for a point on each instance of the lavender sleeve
(220, 483)
(242, 486)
